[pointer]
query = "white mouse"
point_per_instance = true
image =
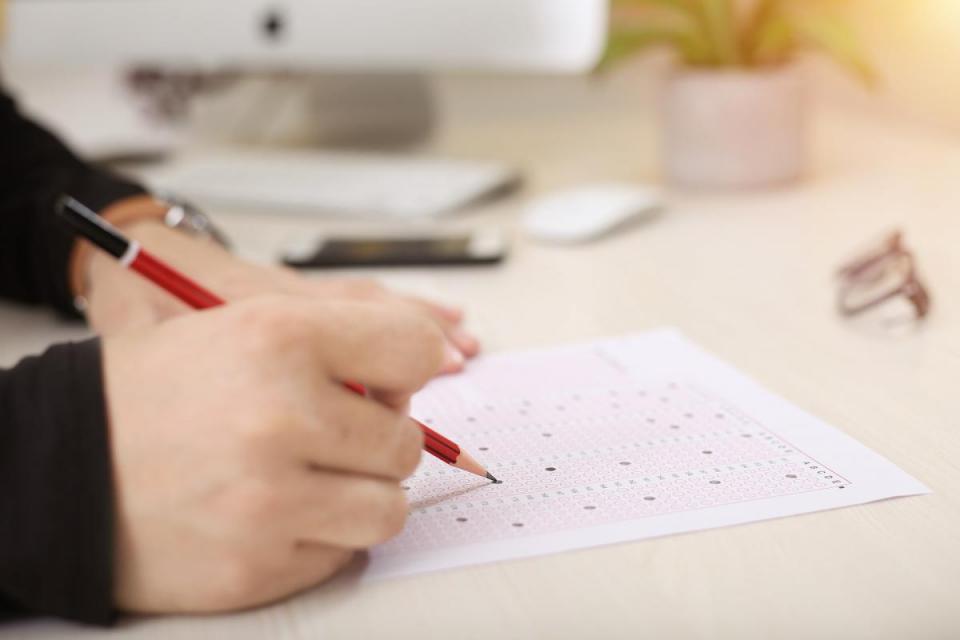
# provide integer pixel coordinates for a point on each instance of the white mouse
(586, 213)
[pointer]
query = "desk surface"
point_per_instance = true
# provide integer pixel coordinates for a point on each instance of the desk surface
(746, 276)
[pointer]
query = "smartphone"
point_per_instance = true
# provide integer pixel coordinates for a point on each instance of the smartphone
(478, 248)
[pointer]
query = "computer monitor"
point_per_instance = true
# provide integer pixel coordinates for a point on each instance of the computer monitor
(327, 35)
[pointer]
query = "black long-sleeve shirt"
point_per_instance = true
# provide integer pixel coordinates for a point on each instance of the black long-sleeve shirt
(56, 491)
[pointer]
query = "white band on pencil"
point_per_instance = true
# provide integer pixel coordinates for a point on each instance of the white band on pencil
(133, 250)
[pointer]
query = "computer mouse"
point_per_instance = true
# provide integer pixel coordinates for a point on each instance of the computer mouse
(586, 213)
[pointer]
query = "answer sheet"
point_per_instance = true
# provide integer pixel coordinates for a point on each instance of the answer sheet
(617, 440)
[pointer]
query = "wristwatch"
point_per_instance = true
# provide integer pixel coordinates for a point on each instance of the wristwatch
(172, 211)
(184, 216)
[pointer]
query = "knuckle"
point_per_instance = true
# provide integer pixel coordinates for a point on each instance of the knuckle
(251, 502)
(262, 434)
(235, 583)
(366, 288)
(390, 515)
(334, 560)
(409, 448)
(427, 345)
(268, 326)
(394, 515)
(340, 433)
(341, 558)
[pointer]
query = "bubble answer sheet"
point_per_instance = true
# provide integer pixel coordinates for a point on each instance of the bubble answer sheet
(613, 441)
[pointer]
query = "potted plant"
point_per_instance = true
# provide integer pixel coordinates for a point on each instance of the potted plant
(734, 106)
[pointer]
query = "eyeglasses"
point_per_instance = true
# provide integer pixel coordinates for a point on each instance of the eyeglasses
(883, 274)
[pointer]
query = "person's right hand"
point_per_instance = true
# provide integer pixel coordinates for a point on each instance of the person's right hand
(244, 470)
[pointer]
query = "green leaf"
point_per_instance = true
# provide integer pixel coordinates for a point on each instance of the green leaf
(763, 11)
(712, 33)
(757, 25)
(627, 41)
(720, 26)
(670, 22)
(836, 39)
(682, 6)
(774, 43)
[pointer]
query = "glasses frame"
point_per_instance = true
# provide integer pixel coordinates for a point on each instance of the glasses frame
(868, 267)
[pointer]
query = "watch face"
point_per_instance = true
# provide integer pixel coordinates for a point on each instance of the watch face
(175, 216)
(186, 217)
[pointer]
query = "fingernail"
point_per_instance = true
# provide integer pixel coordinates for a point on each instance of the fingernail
(464, 340)
(453, 357)
(454, 313)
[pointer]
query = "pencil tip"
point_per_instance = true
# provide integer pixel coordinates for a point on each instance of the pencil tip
(492, 479)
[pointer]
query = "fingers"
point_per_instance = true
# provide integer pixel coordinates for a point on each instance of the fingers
(453, 315)
(254, 579)
(349, 511)
(462, 344)
(450, 320)
(468, 345)
(381, 346)
(453, 359)
(361, 436)
(309, 565)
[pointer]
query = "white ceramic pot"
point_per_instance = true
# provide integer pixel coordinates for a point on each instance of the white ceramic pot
(734, 129)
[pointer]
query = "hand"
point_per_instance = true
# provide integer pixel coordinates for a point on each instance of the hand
(119, 300)
(252, 473)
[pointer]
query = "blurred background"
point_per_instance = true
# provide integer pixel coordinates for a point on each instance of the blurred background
(916, 47)
(451, 102)
(914, 44)
(509, 92)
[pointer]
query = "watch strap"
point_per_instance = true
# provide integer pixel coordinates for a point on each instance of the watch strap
(120, 213)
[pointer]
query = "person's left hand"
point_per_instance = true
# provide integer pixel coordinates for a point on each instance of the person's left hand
(118, 299)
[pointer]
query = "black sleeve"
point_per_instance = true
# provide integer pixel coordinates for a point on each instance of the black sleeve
(35, 169)
(56, 489)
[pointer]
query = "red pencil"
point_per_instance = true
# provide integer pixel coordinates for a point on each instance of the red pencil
(133, 256)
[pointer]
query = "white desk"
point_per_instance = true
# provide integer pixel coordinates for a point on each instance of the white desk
(748, 277)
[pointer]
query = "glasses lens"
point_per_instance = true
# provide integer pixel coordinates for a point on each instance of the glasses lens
(882, 279)
(871, 256)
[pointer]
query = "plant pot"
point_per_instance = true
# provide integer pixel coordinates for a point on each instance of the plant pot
(734, 129)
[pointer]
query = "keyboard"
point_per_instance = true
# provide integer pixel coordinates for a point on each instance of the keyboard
(334, 183)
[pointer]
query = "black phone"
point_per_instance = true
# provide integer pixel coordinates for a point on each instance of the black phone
(478, 248)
